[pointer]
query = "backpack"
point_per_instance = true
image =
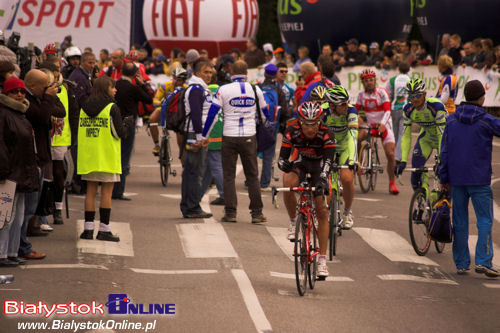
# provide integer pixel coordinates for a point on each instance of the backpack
(271, 97)
(440, 228)
(174, 109)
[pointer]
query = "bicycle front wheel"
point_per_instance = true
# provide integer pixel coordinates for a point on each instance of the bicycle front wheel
(333, 222)
(364, 172)
(419, 217)
(439, 246)
(375, 167)
(301, 255)
(313, 266)
(164, 162)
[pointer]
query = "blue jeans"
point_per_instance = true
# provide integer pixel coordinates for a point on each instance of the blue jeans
(482, 200)
(267, 166)
(191, 181)
(127, 146)
(213, 169)
(11, 232)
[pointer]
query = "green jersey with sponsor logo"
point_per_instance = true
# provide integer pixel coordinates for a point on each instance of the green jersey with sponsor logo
(345, 128)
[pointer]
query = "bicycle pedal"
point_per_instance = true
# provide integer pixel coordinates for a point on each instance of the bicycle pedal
(320, 278)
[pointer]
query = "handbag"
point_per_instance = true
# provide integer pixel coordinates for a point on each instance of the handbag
(46, 203)
(440, 228)
(265, 130)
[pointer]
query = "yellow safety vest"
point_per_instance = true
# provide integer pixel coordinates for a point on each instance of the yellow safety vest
(63, 139)
(98, 150)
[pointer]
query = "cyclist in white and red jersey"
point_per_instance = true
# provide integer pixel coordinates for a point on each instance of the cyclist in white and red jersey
(376, 103)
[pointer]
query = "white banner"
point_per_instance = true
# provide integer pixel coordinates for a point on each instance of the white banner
(349, 78)
(92, 23)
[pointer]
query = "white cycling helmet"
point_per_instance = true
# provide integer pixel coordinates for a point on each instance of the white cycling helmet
(72, 51)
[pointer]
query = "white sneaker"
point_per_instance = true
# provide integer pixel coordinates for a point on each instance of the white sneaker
(347, 220)
(291, 231)
(322, 267)
(46, 227)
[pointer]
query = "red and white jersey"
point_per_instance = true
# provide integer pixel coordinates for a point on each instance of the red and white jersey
(377, 105)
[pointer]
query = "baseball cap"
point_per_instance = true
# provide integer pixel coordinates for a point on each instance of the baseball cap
(279, 50)
(374, 45)
(191, 56)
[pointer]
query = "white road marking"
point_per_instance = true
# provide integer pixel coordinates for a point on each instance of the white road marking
(330, 278)
(280, 237)
(2, 289)
(129, 194)
(405, 277)
(367, 199)
(472, 250)
(122, 248)
(64, 266)
(251, 301)
(205, 240)
(157, 165)
(392, 246)
(496, 209)
(496, 144)
(381, 217)
(492, 285)
(172, 196)
(174, 272)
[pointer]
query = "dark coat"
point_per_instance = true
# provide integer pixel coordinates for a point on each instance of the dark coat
(128, 95)
(83, 84)
(17, 151)
(40, 113)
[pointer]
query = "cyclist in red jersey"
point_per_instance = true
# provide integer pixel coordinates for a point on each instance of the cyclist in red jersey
(376, 103)
(314, 148)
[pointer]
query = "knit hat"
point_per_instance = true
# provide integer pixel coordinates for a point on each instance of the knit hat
(271, 70)
(191, 56)
(473, 90)
(13, 83)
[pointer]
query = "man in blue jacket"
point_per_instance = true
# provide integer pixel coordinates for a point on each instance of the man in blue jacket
(466, 167)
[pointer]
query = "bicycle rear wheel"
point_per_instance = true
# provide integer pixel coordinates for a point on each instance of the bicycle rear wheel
(332, 222)
(419, 217)
(375, 167)
(313, 266)
(364, 172)
(164, 162)
(439, 246)
(301, 255)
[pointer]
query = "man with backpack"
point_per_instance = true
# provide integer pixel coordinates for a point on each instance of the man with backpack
(197, 101)
(276, 101)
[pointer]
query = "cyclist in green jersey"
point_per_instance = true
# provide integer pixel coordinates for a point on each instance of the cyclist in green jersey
(342, 119)
(430, 114)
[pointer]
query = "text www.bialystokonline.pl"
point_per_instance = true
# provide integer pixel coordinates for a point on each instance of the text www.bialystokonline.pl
(75, 326)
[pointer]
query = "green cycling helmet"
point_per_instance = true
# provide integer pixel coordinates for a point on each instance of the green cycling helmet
(415, 86)
(337, 95)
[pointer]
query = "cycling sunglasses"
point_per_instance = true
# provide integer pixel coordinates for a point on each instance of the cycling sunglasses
(411, 96)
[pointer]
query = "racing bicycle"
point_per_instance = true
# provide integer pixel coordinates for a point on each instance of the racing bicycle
(306, 244)
(420, 213)
(165, 158)
(369, 161)
(335, 208)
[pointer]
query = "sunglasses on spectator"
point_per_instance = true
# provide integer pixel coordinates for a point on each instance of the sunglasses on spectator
(415, 96)
(283, 71)
(17, 91)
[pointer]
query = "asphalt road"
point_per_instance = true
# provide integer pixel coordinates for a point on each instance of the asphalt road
(240, 277)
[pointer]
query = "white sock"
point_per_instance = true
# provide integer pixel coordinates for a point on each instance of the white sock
(89, 225)
(322, 259)
(293, 220)
(104, 227)
(59, 205)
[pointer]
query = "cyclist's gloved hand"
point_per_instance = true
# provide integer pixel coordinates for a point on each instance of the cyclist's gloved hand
(400, 166)
(322, 184)
(352, 166)
(285, 165)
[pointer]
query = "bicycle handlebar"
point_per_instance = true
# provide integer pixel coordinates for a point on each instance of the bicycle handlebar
(421, 169)
(368, 127)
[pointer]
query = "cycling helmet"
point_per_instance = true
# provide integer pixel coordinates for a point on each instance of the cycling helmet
(337, 95)
(416, 86)
(180, 73)
(318, 93)
(50, 49)
(310, 111)
(72, 51)
(367, 73)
